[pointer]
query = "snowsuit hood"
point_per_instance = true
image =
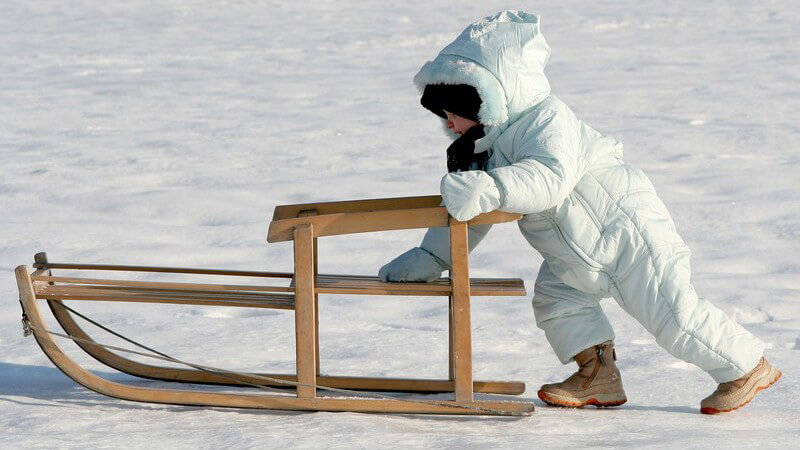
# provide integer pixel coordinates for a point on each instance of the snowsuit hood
(503, 57)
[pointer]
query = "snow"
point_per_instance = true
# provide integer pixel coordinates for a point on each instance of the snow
(164, 133)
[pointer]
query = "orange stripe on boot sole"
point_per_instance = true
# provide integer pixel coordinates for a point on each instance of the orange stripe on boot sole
(590, 401)
(709, 410)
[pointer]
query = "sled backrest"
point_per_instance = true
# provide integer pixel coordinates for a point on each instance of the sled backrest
(362, 216)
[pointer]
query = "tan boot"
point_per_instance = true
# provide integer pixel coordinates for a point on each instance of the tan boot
(737, 393)
(597, 381)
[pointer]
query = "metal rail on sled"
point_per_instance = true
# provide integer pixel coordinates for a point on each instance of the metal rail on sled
(303, 224)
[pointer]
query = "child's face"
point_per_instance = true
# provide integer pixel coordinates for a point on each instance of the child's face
(458, 124)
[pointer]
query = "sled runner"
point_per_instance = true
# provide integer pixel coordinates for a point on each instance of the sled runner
(303, 224)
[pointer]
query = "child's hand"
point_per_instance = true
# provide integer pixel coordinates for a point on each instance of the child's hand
(467, 194)
(415, 265)
(461, 153)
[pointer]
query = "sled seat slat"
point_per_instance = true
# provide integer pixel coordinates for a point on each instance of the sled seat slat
(170, 296)
(43, 266)
(349, 284)
(160, 284)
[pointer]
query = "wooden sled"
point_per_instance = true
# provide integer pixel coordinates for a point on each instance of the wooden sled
(303, 224)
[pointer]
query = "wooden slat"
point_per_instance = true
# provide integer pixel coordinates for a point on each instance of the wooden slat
(124, 291)
(360, 222)
(325, 284)
(317, 364)
(173, 296)
(418, 385)
(462, 334)
(95, 291)
(451, 360)
(350, 206)
(364, 222)
(134, 291)
(283, 212)
(345, 284)
(238, 273)
(165, 285)
(304, 310)
(265, 303)
(361, 216)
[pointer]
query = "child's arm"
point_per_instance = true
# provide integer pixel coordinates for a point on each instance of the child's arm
(426, 262)
(437, 240)
(546, 164)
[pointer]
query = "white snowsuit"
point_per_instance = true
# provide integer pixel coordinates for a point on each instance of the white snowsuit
(597, 221)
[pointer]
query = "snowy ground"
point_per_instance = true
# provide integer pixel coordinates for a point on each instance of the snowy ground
(164, 133)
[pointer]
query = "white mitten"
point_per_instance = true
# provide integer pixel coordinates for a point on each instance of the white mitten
(415, 265)
(467, 194)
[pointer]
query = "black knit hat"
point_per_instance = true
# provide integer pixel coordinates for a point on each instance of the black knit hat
(460, 99)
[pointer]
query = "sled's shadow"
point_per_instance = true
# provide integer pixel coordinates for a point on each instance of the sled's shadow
(669, 409)
(49, 387)
(541, 406)
(46, 384)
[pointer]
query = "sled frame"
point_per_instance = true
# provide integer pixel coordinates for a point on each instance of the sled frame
(302, 224)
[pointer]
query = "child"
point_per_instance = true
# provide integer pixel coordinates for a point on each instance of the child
(596, 220)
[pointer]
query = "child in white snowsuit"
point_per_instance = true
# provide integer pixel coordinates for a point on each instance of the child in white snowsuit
(597, 221)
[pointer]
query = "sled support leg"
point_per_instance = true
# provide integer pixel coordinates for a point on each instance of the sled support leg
(451, 361)
(459, 277)
(308, 213)
(305, 317)
(316, 309)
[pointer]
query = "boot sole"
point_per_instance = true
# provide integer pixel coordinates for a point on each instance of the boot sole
(776, 375)
(601, 401)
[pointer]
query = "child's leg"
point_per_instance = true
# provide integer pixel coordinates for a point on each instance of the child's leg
(653, 285)
(572, 320)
